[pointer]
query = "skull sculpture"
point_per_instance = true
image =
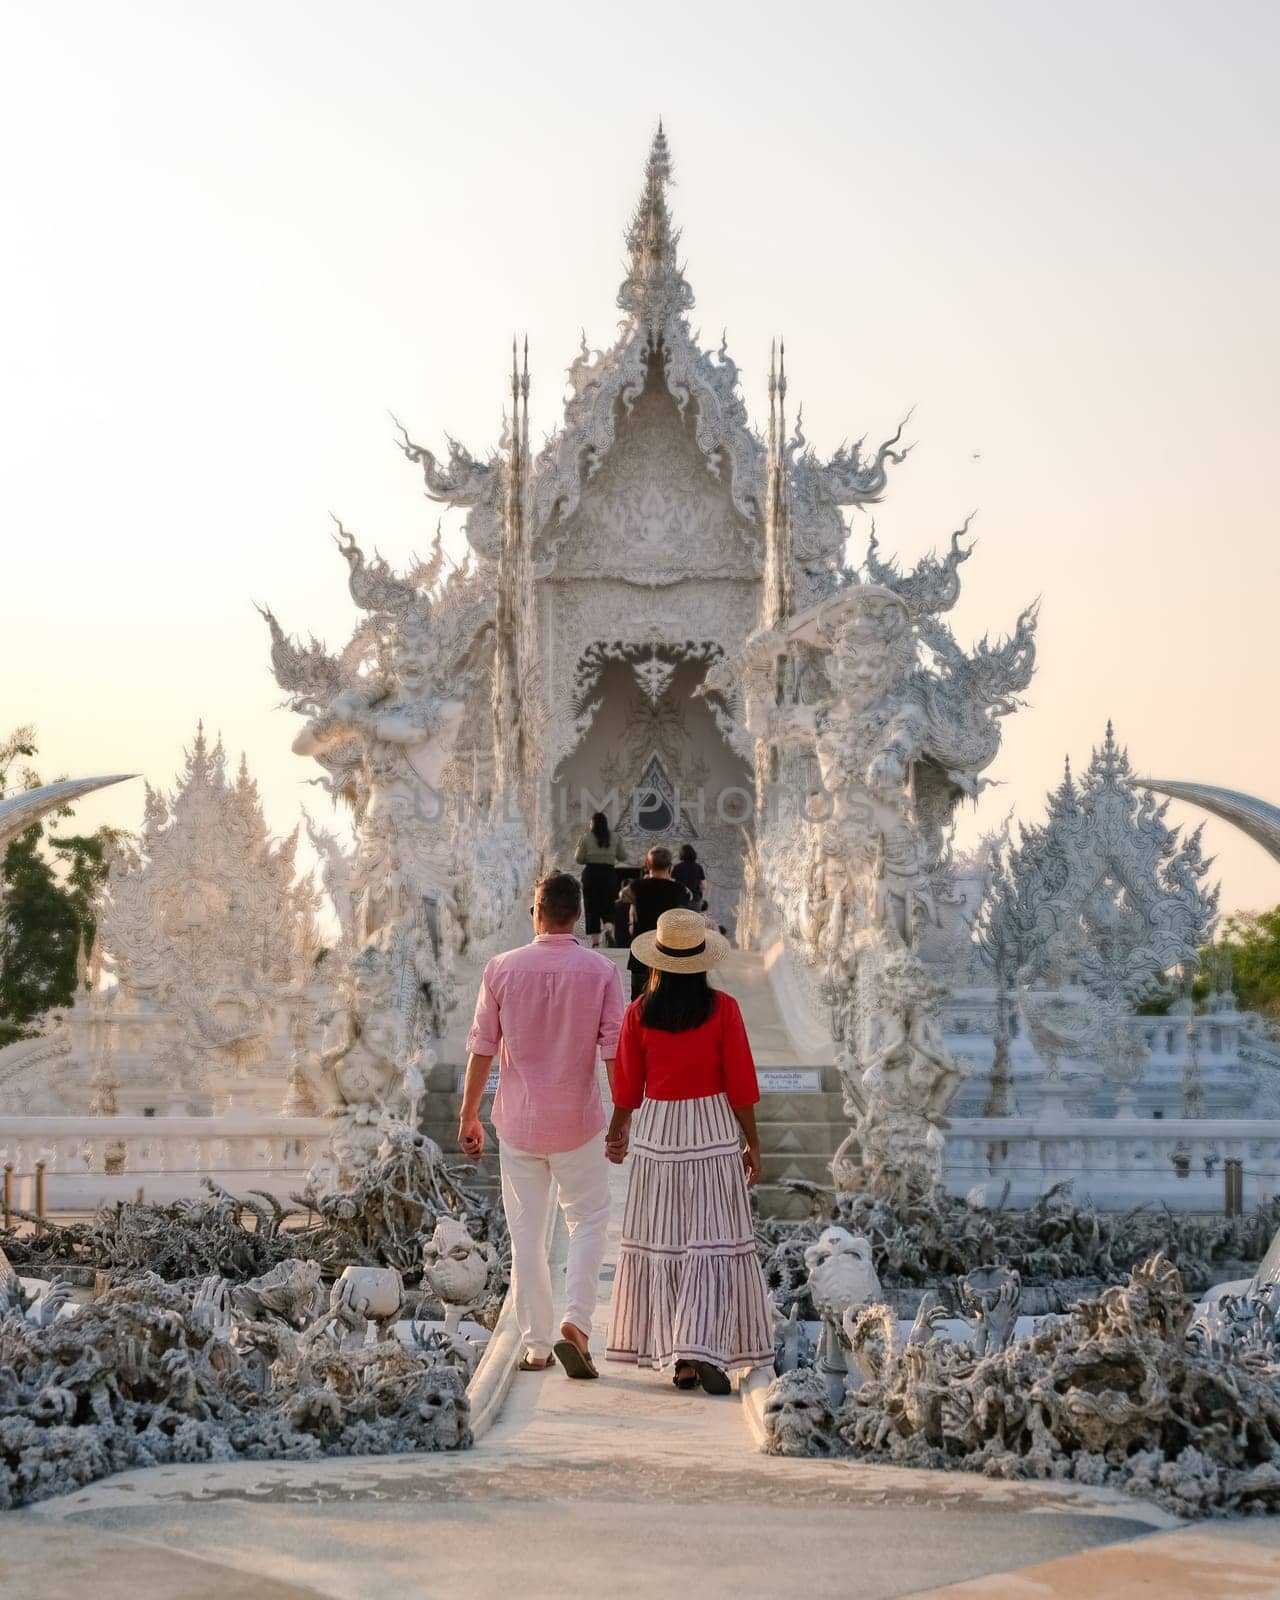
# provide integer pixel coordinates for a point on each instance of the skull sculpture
(797, 1416)
(288, 1291)
(379, 1291)
(443, 1405)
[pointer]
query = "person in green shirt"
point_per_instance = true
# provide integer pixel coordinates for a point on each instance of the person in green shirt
(598, 854)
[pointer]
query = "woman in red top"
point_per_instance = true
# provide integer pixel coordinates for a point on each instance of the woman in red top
(689, 1288)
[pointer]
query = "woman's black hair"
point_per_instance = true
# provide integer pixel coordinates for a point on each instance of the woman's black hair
(676, 1001)
(600, 827)
(688, 853)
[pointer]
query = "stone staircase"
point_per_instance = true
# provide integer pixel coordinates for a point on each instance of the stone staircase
(800, 1117)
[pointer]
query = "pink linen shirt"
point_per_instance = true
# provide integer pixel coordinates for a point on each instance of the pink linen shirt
(550, 1005)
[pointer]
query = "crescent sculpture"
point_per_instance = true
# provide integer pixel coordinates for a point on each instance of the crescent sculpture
(1259, 819)
(19, 811)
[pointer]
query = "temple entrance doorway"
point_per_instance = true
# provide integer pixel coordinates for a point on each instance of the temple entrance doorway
(655, 760)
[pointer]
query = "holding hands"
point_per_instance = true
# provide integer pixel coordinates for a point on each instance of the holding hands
(617, 1141)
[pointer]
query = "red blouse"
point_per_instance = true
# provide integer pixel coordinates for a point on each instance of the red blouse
(714, 1058)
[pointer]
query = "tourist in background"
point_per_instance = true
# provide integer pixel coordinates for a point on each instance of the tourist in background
(651, 895)
(689, 1287)
(620, 921)
(688, 871)
(598, 854)
(549, 1006)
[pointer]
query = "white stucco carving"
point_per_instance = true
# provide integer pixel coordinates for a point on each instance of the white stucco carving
(1086, 912)
(433, 875)
(842, 700)
(211, 939)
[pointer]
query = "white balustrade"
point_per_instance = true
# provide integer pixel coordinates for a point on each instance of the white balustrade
(91, 1160)
(1116, 1162)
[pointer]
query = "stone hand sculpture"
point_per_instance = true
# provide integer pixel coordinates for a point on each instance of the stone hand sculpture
(792, 1345)
(989, 1299)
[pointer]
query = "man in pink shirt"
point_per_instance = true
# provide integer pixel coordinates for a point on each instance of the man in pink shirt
(550, 1006)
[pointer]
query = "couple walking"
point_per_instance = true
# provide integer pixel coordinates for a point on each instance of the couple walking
(689, 1292)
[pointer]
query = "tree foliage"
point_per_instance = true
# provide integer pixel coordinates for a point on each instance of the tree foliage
(1252, 939)
(50, 888)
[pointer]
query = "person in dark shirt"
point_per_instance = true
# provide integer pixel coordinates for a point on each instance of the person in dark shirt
(651, 895)
(690, 872)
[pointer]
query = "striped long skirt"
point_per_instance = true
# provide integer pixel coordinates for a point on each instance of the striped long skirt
(689, 1284)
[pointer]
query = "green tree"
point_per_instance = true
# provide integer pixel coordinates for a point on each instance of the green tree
(39, 937)
(1252, 939)
(50, 888)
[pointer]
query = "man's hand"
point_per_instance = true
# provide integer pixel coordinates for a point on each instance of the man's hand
(751, 1164)
(471, 1138)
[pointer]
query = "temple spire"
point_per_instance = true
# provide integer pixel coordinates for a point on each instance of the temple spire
(654, 288)
(778, 597)
(513, 643)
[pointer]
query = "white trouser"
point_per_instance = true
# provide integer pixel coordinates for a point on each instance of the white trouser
(581, 1178)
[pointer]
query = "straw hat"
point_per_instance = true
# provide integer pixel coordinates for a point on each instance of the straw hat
(682, 942)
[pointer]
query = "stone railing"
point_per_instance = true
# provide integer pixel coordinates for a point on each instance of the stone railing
(80, 1162)
(1116, 1162)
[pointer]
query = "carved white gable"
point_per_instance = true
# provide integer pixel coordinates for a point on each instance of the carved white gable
(653, 514)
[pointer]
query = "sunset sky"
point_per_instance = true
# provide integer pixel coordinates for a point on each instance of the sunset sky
(239, 235)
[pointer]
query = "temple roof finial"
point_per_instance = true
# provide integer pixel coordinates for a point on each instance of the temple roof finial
(654, 289)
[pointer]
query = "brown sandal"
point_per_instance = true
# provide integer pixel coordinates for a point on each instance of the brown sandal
(577, 1363)
(536, 1363)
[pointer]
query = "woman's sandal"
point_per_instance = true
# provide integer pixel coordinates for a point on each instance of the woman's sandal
(686, 1375)
(715, 1380)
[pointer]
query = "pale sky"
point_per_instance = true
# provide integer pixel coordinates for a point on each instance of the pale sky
(239, 234)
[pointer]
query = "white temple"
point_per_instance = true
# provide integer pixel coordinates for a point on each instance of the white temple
(202, 982)
(657, 620)
(1092, 915)
(658, 617)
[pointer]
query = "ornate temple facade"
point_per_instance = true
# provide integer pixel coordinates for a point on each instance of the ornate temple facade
(631, 556)
(656, 619)
(1085, 928)
(202, 983)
